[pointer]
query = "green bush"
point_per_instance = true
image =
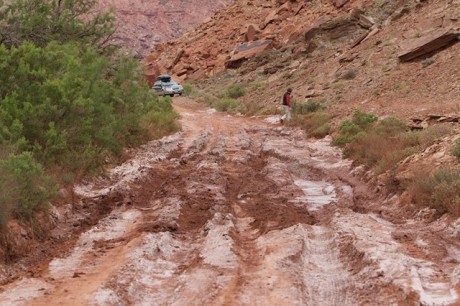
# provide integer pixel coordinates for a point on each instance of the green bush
(9, 195)
(225, 105)
(354, 129)
(65, 101)
(28, 188)
(235, 92)
(363, 120)
(77, 106)
(160, 122)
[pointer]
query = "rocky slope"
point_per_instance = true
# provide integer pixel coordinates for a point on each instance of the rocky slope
(142, 24)
(344, 53)
(391, 58)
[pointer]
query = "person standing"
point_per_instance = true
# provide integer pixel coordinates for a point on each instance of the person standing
(287, 105)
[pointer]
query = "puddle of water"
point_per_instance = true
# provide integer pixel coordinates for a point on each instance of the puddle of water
(317, 194)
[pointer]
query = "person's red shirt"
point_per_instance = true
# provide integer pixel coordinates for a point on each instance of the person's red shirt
(288, 99)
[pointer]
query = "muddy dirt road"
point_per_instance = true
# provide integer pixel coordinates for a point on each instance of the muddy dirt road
(242, 211)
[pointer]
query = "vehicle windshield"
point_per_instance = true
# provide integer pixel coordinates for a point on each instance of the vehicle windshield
(168, 84)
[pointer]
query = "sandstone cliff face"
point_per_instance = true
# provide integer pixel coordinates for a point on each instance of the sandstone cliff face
(235, 34)
(386, 56)
(144, 23)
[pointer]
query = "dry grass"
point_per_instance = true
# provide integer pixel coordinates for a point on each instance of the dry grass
(159, 124)
(440, 191)
(315, 124)
(384, 144)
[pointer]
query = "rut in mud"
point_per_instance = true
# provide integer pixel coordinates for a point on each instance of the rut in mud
(241, 211)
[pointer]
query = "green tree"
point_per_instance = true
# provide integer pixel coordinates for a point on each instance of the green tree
(64, 103)
(43, 21)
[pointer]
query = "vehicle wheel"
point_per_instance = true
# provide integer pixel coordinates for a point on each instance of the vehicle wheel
(171, 96)
(180, 94)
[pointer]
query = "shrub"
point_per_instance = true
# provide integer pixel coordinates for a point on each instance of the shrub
(65, 101)
(440, 191)
(354, 129)
(225, 105)
(349, 74)
(306, 108)
(427, 62)
(28, 187)
(363, 120)
(9, 195)
(188, 89)
(315, 124)
(207, 98)
(321, 131)
(159, 123)
(456, 148)
(383, 144)
(390, 126)
(235, 92)
(337, 85)
(348, 132)
(78, 106)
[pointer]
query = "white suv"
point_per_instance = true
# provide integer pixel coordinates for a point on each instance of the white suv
(164, 86)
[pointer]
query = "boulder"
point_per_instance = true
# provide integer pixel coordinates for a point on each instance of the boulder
(179, 55)
(252, 32)
(366, 22)
(339, 3)
(248, 50)
(281, 13)
(437, 39)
